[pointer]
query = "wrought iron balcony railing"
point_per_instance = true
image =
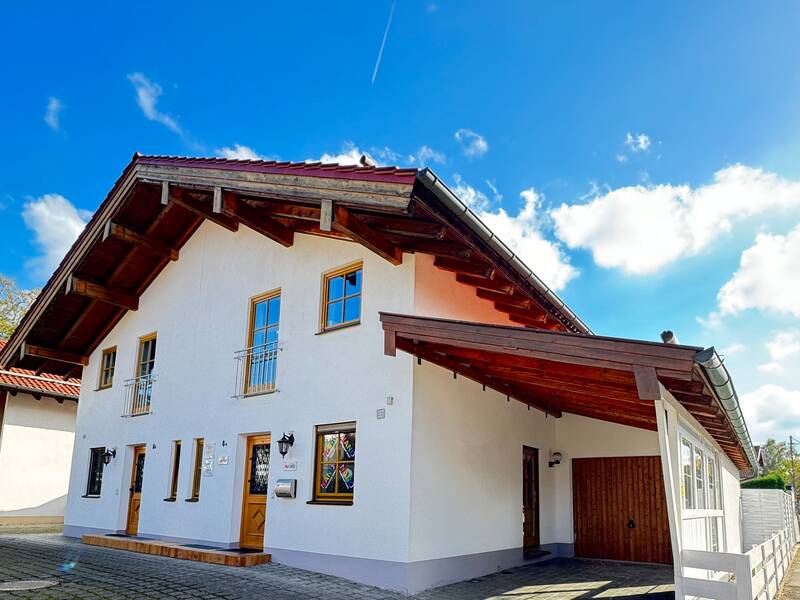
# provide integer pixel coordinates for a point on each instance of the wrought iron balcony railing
(256, 368)
(138, 393)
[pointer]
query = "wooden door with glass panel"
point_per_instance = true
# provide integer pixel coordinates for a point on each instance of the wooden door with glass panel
(254, 503)
(135, 501)
(262, 352)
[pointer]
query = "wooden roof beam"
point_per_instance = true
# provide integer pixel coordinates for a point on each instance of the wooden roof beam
(514, 300)
(120, 232)
(232, 207)
(498, 285)
(345, 222)
(95, 291)
(464, 267)
(52, 354)
(177, 196)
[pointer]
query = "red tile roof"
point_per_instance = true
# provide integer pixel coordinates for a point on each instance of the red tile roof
(22, 380)
(306, 169)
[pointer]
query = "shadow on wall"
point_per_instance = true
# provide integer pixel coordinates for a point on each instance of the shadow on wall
(51, 508)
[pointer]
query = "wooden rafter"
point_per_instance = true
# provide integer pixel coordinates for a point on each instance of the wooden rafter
(233, 207)
(497, 285)
(346, 222)
(96, 291)
(464, 267)
(53, 354)
(125, 234)
(201, 208)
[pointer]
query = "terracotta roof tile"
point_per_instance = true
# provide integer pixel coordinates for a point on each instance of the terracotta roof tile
(27, 381)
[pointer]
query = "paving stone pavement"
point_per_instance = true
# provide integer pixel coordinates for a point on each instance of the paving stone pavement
(88, 572)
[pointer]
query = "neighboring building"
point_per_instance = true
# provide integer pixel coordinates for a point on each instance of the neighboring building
(220, 307)
(37, 430)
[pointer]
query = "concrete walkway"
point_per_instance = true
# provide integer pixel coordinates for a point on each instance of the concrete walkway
(791, 585)
(79, 571)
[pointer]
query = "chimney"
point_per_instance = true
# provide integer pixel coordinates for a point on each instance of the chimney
(669, 337)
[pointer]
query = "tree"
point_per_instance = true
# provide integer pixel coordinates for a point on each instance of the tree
(13, 304)
(773, 453)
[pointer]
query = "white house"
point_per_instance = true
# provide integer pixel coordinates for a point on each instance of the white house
(444, 414)
(37, 430)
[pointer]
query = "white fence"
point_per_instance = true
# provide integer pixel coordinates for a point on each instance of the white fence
(755, 575)
(764, 513)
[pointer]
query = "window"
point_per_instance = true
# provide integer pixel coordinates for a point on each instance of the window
(335, 463)
(688, 479)
(147, 355)
(262, 352)
(714, 534)
(198, 468)
(95, 482)
(699, 476)
(176, 465)
(713, 493)
(107, 363)
(341, 300)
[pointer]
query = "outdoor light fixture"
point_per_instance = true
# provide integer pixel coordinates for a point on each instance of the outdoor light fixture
(555, 459)
(108, 455)
(285, 443)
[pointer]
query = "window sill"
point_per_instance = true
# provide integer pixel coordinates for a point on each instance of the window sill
(169, 499)
(331, 502)
(338, 327)
(254, 394)
(91, 496)
(102, 389)
(191, 500)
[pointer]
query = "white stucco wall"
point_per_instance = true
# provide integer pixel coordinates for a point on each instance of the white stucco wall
(35, 452)
(199, 307)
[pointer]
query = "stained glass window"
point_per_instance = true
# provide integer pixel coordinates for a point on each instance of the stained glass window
(95, 481)
(107, 364)
(342, 297)
(336, 461)
(259, 469)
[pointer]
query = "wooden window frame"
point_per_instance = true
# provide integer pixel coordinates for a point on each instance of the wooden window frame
(174, 479)
(102, 384)
(95, 460)
(341, 498)
(197, 469)
(326, 279)
(251, 320)
(139, 362)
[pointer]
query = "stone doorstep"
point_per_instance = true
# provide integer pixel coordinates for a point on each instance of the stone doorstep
(175, 550)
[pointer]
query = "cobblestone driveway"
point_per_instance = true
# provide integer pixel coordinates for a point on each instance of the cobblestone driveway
(92, 572)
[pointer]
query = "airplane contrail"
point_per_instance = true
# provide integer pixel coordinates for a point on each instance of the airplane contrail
(383, 43)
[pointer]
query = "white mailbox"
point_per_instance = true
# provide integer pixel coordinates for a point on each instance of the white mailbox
(286, 488)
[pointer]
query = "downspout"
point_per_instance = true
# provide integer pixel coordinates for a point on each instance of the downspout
(720, 379)
(471, 220)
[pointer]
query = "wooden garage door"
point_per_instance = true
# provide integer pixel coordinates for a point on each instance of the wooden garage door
(619, 509)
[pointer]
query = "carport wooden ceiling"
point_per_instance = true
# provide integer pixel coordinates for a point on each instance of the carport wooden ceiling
(558, 372)
(159, 202)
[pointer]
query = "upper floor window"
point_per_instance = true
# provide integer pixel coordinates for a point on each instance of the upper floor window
(341, 297)
(107, 363)
(262, 351)
(335, 463)
(95, 479)
(147, 355)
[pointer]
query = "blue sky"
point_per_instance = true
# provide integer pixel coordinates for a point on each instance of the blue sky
(642, 156)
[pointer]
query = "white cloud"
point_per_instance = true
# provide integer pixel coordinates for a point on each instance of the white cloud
(767, 278)
(147, 95)
(642, 228)
(350, 154)
(522, 234)
(238, 152)
(621, 158)
(495, 192)
(770, 368)
(784, 344)
(426, 155)
(473, 144)
(771, 411)
(639, 142)
(53, 113)
(56, 223)
(735, 348)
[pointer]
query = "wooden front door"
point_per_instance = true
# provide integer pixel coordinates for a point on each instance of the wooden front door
(530, 498)
(136, 491)
(619, 509)
(254, 503)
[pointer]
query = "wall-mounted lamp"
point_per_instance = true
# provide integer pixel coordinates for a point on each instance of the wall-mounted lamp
(108, 455)
(285, 443)
(555, 459)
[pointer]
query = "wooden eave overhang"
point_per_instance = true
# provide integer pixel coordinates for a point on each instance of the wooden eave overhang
(159, 202)
(557, 372)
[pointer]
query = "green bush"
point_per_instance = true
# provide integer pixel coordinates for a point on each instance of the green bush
(773, 481)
